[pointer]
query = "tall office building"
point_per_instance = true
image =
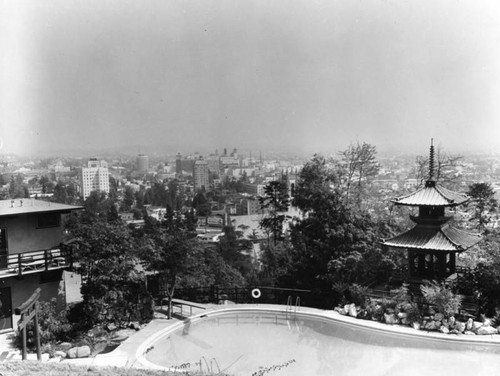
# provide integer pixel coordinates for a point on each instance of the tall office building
(142, 163)
(94, 177)
(201, 175)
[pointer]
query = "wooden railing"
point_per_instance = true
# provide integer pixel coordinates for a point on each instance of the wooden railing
(43, 260)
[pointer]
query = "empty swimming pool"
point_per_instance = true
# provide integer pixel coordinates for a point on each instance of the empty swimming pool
(243, 341)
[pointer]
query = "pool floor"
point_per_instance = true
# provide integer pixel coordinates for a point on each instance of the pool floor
(243, 343)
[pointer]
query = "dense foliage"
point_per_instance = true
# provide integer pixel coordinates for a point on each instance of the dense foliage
(335, 239)
(275, 202)
(112, 286)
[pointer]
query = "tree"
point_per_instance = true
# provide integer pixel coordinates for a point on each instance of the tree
(334, 240)
(128, 199)
(276, 262)
(65, 193)
(60, 194)
(169, 249)
(484, 201)
(233, 249)
(112, 286)
(360, 164)
(174, 199)
(17, 188)
(276, 202)
(44, 181)
(201, 205)
(444, 168)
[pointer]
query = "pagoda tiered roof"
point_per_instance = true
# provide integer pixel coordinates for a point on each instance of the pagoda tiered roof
(436, 238)
(432, 195)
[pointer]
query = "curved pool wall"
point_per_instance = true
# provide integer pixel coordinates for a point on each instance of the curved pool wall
(352, 345)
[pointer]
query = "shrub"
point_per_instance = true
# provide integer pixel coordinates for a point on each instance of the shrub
(340, 288)
(405, 303)
(54, 326)
(438, 295)
(357, 294)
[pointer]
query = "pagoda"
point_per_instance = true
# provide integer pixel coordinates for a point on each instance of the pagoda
(432, 244)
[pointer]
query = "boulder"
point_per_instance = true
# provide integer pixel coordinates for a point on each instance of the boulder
(469, 333)
(111, 327)
(446, 324)
(79, 352)
(390, 318)
(416, 325)
(432, 325)
(353, 311)
(444, 329)
(487, 322)
(402, 315)
(476, 325)
(59, 354)
(486, 330)
(83, 351)
(341, 310)
(363, 314)
(71, 354)
(438, 317)
(454, 331)
(460, 326)
(451, 321)
(469, 325)
(134, 325)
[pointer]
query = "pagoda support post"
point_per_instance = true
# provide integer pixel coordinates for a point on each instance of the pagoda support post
(421, 264)
(441, 261)
(453, 265)
(411, 262)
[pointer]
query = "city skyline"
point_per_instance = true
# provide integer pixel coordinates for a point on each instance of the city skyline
(306, 76)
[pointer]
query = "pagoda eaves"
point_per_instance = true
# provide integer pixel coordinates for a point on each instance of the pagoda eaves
(432, 195)
(445, 238)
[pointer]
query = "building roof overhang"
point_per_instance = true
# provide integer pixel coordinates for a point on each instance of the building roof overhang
(32, 206)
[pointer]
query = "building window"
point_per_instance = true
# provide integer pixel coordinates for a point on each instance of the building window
(48, 220)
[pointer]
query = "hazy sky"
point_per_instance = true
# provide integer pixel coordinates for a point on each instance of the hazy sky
(206, 74)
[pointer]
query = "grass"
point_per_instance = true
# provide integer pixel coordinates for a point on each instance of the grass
(35, 368)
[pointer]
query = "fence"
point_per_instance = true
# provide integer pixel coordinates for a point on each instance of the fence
(268, 295)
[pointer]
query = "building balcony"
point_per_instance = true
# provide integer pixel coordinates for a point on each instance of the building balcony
(19, 264)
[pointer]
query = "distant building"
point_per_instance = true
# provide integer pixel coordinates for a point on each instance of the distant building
(142, 163)
(249, 206)
(95, 177)
(214, 164)
(183, 164)
(201, 175)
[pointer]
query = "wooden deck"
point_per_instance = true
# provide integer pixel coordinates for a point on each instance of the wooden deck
(19, 264)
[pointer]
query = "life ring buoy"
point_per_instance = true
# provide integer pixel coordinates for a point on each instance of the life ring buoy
(256, 293)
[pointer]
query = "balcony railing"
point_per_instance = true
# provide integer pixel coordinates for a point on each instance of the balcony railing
(35, 261)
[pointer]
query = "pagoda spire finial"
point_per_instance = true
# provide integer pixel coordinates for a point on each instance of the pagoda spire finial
(431, 182)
